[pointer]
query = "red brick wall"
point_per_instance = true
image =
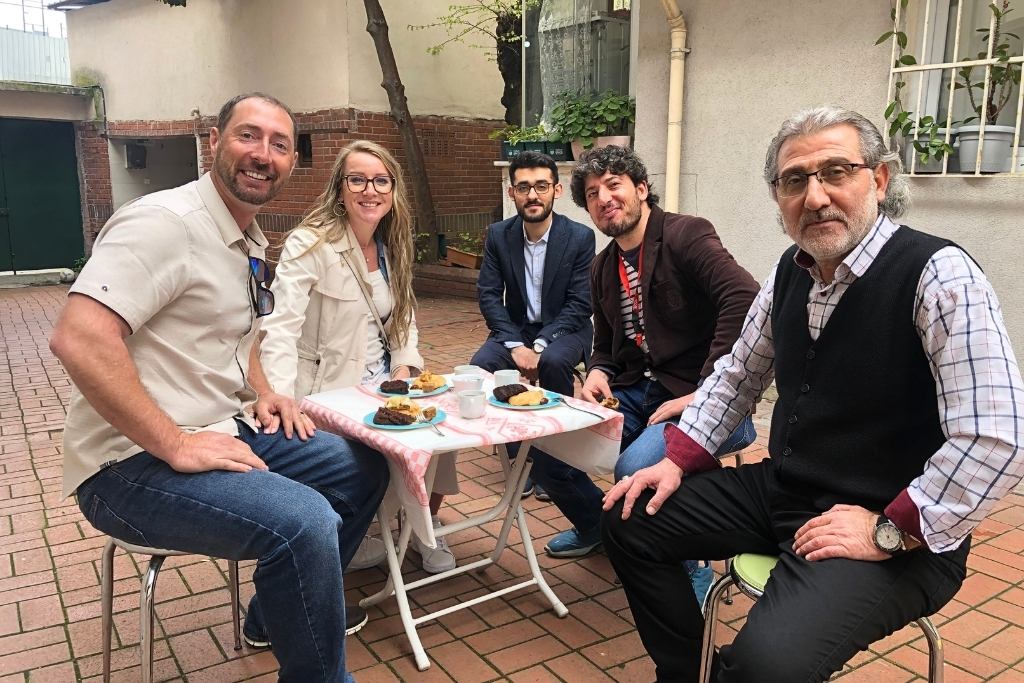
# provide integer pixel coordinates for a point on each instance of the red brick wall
(93, 180)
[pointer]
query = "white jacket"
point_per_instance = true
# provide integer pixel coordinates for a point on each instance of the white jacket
(316, 337)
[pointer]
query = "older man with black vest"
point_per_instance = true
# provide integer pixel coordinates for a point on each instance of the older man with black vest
(898, 427)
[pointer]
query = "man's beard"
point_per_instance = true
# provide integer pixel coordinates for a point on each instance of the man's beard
(228, 175)
(630, 219)
(832, 246)
(540, 218)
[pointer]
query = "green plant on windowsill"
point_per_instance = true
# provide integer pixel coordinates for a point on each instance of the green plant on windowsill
(930, 143)
(584, 117)
(514, 134)
(1004, 75)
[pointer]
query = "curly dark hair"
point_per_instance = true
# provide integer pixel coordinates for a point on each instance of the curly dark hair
(611, 159)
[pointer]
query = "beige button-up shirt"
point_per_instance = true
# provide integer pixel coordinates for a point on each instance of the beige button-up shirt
(174, 266)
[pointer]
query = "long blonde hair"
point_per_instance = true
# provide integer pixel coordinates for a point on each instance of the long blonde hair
(329, 221)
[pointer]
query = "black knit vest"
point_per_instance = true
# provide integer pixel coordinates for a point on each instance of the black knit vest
(857, 416)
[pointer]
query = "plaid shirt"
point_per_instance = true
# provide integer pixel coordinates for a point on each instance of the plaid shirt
(978, 384)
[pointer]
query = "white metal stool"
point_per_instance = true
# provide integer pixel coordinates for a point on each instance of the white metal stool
(147, 599)
(749, 572)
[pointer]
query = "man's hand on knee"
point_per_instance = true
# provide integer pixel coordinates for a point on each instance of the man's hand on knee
(664, 477)
(843, 531)
(526, 360)
(207, 451)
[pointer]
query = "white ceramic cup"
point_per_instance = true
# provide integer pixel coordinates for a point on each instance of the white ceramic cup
(468, 382)
(503, 377)
(468, 370)
(472, 404)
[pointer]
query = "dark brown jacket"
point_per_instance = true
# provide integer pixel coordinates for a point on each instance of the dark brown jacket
(695, 298)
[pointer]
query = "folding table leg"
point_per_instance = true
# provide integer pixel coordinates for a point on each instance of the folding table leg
(395, 579)
(515, 479)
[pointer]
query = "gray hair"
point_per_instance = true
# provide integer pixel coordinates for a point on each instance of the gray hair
(872, 148)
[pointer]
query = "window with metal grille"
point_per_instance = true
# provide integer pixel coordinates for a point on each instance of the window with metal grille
(955, 97)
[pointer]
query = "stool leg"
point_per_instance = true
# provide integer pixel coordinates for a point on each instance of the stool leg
(233, 587)
(107, 603)
(712, 603)
(936, 656)
(146, 614)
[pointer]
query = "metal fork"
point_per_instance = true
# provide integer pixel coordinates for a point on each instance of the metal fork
(432, 425)
(569, 405)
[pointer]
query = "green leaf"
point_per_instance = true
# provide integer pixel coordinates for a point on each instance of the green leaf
(888, 110)
(907, 60)
(884, 37)
(901, 40)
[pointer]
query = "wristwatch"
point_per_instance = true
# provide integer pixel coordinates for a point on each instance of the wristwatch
(887, 537)
(538, 347)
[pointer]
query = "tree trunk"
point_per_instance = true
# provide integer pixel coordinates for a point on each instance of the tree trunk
(510, 65)
(426, 215)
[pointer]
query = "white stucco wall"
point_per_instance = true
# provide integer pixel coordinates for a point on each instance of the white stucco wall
(169, 162)
(160, 62)
(753, 64)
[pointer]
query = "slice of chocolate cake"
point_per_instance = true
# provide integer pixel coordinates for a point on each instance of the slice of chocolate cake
(386, 416)
(394, 386)
(507, 391)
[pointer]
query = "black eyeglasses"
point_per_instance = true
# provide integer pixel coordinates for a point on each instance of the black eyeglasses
(833, 175)
(262, 297)
(541, 186)
(382, 183)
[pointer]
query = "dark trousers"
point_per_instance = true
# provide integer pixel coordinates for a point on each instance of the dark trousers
(813, 617)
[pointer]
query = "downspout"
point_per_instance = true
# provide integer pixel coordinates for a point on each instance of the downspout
(674, 135)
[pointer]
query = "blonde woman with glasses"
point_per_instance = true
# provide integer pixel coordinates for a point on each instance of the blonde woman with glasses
(344, 304)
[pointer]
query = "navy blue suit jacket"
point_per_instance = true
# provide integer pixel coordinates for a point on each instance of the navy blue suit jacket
(565, 293)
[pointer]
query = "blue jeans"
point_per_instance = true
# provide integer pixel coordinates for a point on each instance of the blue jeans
(649, 447)
(302, 520)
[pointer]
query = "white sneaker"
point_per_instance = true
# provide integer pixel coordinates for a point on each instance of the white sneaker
(370, 553)
(435, 560)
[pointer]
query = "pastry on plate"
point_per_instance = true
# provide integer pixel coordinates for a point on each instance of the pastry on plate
(528, 398)
(507, 391)
(429, 413)
(387, 416)
(611, 402)
(395, 386)
(428, 381)
(403, 404)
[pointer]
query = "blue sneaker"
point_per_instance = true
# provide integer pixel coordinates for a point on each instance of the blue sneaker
(541, 494)
(701, 577)
(572, 543)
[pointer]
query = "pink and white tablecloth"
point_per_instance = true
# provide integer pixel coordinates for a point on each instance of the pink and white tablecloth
(583, 440)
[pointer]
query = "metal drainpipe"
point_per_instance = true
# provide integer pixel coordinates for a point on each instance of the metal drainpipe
(674, 134)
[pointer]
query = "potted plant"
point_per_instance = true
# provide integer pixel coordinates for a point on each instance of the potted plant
(464, 249)
(515, 139)
(583, 119)
(922, 137)
(995, 155)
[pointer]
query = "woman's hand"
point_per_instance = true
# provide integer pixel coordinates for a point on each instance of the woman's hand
(401, 372)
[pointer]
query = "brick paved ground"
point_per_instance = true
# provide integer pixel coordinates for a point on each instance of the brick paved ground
(49, 580)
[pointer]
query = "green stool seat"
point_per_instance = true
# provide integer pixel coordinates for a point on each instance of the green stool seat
(750, 572)
(753, 570)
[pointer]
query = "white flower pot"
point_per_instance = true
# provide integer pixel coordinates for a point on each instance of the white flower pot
(995, 155)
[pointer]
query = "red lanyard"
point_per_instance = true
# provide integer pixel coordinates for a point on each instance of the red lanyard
(634, 295)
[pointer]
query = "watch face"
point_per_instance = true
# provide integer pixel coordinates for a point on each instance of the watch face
(888, 538)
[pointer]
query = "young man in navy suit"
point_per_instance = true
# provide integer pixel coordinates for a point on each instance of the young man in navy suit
(534, 290)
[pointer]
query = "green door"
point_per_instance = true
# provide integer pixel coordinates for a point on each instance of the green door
(40, 208)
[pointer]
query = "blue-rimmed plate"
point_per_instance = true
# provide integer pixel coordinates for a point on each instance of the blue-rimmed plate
(416, 393)
(368, 421)
(553, 401)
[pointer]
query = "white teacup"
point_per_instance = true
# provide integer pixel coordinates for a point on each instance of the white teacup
(503, 377)
(468, 370)
(472, 403)
(467, 382)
